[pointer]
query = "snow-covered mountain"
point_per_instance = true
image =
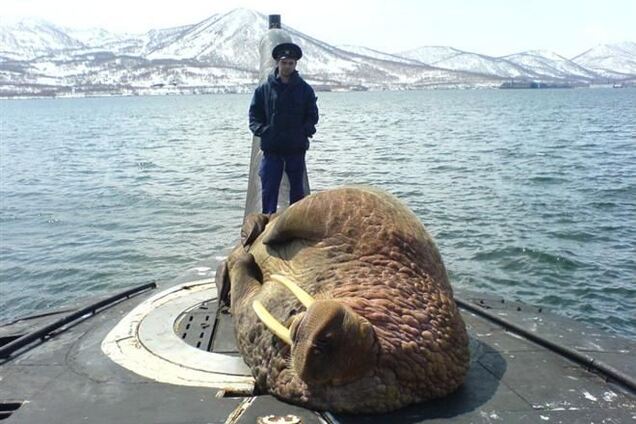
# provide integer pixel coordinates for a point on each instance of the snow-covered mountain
(458, 60)
(548, 64)
(217, 54)
(219, 39)
(95, 37)
(30, 38)
(473, 62)
(430, 54)
(610, 60)
(376, 54)
(614, 61)
(220, 54)
(530, 65)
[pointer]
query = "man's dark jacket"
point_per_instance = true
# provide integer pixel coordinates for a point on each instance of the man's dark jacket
(284, 115)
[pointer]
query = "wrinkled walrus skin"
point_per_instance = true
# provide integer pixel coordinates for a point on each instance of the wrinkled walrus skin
(364, 250)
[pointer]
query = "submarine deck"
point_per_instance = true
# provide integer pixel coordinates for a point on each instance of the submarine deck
(66, 376)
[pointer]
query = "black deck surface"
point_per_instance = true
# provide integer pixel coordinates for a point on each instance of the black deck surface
(67, 379)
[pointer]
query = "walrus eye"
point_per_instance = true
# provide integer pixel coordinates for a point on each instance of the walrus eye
(319, 349)
(321, 345)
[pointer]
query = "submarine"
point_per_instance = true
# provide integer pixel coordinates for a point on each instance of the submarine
(165, 353)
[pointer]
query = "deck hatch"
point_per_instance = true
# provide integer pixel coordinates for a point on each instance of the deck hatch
(149, 340)
(196, 326)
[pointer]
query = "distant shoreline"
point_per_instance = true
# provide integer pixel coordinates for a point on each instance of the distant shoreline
(197, 92)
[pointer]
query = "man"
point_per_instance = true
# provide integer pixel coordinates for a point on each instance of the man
(283, 113)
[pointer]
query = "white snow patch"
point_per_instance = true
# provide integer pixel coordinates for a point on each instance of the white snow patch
(589, 396)
(491, 415)
(609, 396)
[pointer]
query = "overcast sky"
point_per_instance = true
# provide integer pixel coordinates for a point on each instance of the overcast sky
(494, 27)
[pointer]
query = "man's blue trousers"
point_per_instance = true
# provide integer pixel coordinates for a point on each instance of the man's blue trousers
(271, 173)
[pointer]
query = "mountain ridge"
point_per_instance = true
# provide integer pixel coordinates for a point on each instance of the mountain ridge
(220, 54)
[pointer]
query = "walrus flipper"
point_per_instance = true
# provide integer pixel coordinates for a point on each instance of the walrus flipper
(222, 279)
(303, 220)
(246, 279)
(253, 227)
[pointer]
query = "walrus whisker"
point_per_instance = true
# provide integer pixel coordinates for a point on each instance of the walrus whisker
(272, 323)
(304, 297)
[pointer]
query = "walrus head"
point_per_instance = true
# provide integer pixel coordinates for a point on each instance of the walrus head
(330, 343)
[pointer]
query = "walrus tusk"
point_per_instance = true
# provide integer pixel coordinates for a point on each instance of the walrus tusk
(268, 319)
(304, 297)
(272, 323)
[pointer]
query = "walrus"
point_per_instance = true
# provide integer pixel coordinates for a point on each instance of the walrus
(342, 303)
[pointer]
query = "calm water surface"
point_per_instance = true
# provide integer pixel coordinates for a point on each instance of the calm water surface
(530, 194)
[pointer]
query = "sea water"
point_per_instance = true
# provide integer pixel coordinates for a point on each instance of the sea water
(529, 194)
